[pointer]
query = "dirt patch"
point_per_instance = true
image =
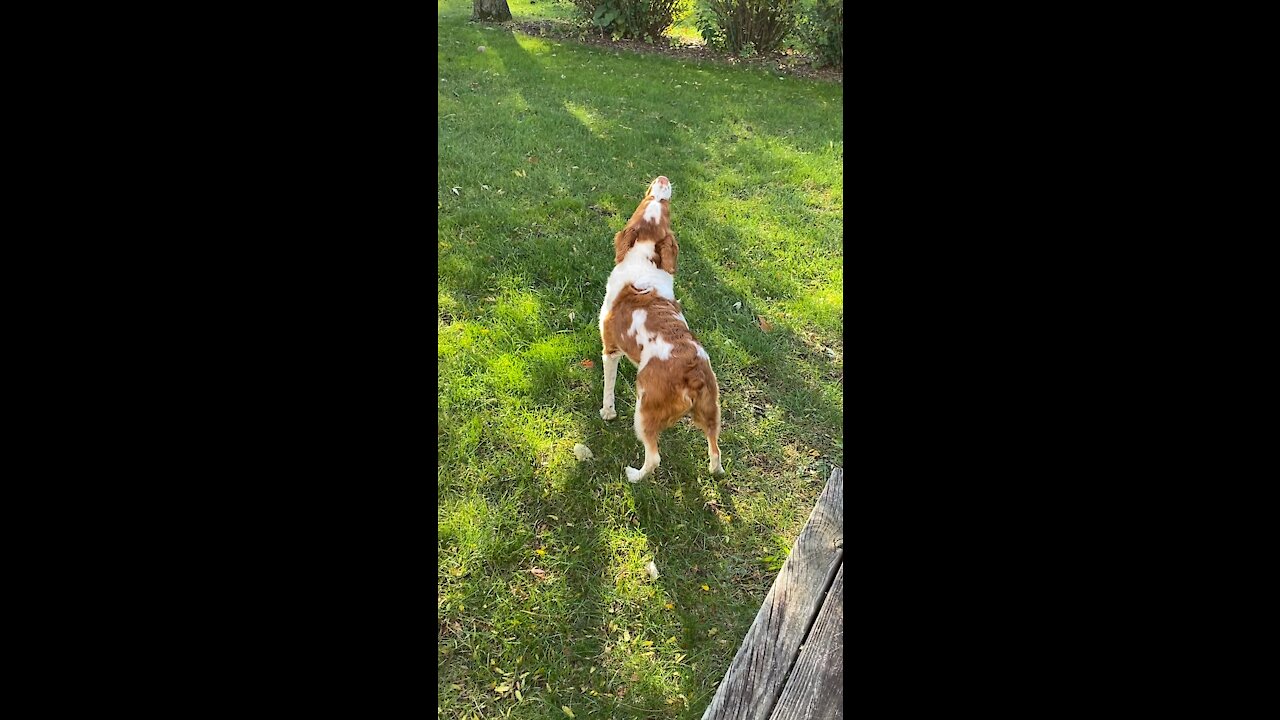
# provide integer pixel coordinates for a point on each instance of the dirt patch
(782, 63)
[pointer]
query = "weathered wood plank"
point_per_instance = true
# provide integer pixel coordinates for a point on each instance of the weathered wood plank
(759, 670)
(815, 690)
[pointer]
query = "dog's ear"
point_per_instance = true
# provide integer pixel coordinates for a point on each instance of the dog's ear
(667, 250)
(622, 242)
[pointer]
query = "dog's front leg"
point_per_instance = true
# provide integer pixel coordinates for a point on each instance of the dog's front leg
(610, 376)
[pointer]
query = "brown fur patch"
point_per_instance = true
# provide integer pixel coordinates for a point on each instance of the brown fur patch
(640, 230)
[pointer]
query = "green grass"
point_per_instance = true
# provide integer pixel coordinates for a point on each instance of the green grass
(524, 250)
(541, 10)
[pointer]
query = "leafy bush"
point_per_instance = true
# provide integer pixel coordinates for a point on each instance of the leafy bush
(746, 26)
(822, 31)
(708, 27)
(631, 18)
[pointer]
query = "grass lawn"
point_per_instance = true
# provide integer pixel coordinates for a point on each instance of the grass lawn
(545, 148)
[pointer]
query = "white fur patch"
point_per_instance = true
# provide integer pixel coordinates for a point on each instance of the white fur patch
(653, 211)
(680, 317)
(659, 348)
(637, 421)
(637, 323)
(652, 345)
(636, 269)
(701, 353)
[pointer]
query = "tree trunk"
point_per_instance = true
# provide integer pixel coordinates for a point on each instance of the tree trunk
(490, 10)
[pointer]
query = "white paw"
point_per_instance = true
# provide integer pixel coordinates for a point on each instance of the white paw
(715, 467)
(608, 413)
(634, 475)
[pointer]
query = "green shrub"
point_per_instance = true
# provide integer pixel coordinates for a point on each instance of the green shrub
(822, 32)
(746, 27)
(631, 18)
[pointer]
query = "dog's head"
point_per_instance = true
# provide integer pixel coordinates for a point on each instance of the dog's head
(651, 222)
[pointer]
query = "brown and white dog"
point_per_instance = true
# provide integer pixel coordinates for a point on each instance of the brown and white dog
(641, 319)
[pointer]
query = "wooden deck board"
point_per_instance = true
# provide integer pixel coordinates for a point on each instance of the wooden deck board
(761, 667)
(815, 690)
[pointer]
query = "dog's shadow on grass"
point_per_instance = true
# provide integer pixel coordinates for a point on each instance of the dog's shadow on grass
(687, 537)
(684, 539)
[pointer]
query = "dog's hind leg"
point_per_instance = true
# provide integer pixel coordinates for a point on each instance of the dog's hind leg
(647, 429)
(706, 415)
(651, 457)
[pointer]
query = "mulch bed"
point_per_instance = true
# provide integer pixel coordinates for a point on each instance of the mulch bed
(776, 62)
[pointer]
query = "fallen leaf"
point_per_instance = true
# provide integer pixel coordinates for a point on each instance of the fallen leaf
(669, 606)
(587, 363)
(502, 688)
(737, 305)
(653, 570)
(519, 697)
(712, 631)
(582, 452)
(765, 325)
(538, 572)
(533, 159)
(705, 588)
(567, 710)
